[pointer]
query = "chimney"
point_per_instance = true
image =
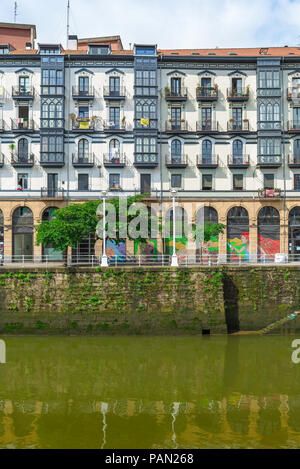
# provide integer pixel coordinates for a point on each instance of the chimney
(73, 42)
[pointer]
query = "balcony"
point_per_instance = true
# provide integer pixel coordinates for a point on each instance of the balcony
(294, 161)
(173, 161)
(115, 187)
(52, 160)
(173, 126)
(21, 92)
(115, 127)
(2, 125)
(114, 160)
(22, 125)
(207, 93)
(86, 160)
(118, 94)
(207, 126)
(293, 126)
(238, 126)
(22, 160)
(47, 193)
(238, 161)
(293, 93)
(145, 160)
(207, 161)
(269, 161)
(83, 93)
(269, 193)
(176, 95)
(83, 125)
(1, 160)
(237, 95)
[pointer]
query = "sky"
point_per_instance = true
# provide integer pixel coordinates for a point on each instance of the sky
(171, 24)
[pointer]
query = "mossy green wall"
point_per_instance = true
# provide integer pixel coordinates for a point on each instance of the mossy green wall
(147, 300)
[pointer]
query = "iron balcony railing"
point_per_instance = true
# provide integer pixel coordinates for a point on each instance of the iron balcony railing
(22, 124)
(85, 125)
(114, 126)
(207, 126)
(114, 160)
(293, 125)
(83, 159)
(52, 193)
(77, 91)
(238, 160)
(238, 126)
(205, 93)
(294, 160)
(1, 160)
(269, 193)
(114, 93)
(23, 92)
(2, 125)
(240, 94)
(22, 159)
(269, 160)
(176, 161)
(208, 160)
(176, 125)
(174, 94)
(293, 93)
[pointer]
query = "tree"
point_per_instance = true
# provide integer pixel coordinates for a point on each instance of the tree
(207, 231)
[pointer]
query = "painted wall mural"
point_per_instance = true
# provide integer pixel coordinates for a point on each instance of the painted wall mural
(115, 250)
(145, 249)
(238, 244)
(181, 246)
(268, 243)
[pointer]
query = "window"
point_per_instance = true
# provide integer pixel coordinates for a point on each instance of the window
(52, 148)
(114, 117)
(206, 118)
(24, 85)
(297, 150)
(237, 152)
(83, 149)
(146, 150)
(114, 181)
(296, 118)
(175, 86)
(114, 86)
(22, 182)
(83, 182)
(176, 180)
(145, 82)
(99, 50)
(142, 50)
(23, 150)
(237, 86)
(176, 118)
(114, 150)
(207, 182)
(297, 182)
(83, 112)
(269, 146)
(237, 113)
(176, 151)
(238, 182)
(52, 81)
(269, 181)
(269, 79)
(52, 113)
(145, 109)
(269, 112)
(207, 151)
(83, 83)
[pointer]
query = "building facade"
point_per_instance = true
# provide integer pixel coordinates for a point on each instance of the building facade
(221, 126)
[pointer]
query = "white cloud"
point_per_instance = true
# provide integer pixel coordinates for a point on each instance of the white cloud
(168, 23)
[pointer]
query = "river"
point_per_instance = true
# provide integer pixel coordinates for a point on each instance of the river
(149, 392)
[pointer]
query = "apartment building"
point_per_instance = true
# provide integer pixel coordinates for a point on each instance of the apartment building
(220, 126)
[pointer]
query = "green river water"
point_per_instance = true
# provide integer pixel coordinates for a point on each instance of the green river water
(149, 392)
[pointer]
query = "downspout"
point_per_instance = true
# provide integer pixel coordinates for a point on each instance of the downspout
(68, 133)
(283, 154)
(160, 154)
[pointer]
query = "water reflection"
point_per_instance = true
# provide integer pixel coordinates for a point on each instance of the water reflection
(149, 393)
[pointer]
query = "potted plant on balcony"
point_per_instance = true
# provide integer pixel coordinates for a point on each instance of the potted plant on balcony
(123, 122)
(261, 192)
(277, 192)
(72, 116)
(247, 90)
(167, 91)
(12, 147)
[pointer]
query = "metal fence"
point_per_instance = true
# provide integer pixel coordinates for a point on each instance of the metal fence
(147, 260)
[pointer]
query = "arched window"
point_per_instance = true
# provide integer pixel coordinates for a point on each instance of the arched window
(114, 149)
(294, 233)
(237, 151)
(22, 234)
(268, 242)
(180, 229)
(209, 248)
(83, 149)
(207, 151)
(23, 149)
(176, 151)
(1, 237)
(238, 234)
(297, 151)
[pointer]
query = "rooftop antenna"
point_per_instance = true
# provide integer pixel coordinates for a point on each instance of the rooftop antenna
(68, 22)
(15, 12)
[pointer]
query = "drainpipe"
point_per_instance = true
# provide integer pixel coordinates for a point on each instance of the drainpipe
(160, 153)
(68, 133)
(283, 154)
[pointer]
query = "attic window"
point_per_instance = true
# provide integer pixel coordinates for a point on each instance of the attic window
(174, 53)
(99, 49)
(263, 51)
(291, 53)
(5, 48)
(232, 53)
(195, 53)
(211, 53)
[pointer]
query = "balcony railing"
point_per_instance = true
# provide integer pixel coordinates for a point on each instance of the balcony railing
(207, 126)
(22, 124)
(176, 95)
(176, 126)
(207, 161)
(84, 125)
(294, 161)
(145, 160)
(83, 93)
(238, 126)
(114, 160)
(293, 93)
(1, 160)
(176, 161)
(269, 161)
(114, 126)
(293, 126)
(21, 92)
(241, 94)
(20, 160)
(269, 193)
(52, 159)
(114, 94)
(238, 161)
(84, 160)
(115, 187)
(207, 93)
(2, 125)
(52, 193)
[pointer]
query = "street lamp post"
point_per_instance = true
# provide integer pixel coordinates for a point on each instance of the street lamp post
(104, 262)
(174, 262)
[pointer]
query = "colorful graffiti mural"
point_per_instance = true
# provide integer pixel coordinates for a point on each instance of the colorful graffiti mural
(210, 249)
(267, 247)
(181, 246)
(238, 247)
(115, 251)
(149, 248)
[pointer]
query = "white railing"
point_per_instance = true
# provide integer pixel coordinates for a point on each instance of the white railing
(147, 260)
